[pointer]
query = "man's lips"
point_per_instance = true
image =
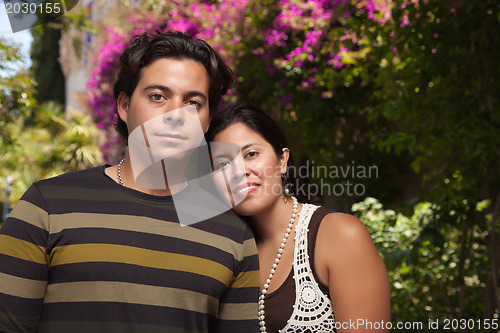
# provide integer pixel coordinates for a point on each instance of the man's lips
(245, 188)
(171, 137)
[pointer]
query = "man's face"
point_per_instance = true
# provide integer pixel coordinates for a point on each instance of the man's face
(169, 106)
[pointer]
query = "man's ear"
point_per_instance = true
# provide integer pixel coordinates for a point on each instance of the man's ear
(284, 159)
(122, 104)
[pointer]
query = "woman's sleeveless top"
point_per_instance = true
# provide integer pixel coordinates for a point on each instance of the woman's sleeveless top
(301, 304)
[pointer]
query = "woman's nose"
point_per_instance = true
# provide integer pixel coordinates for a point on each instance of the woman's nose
(240, 167)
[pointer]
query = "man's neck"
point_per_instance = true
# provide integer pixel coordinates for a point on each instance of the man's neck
(165, 182)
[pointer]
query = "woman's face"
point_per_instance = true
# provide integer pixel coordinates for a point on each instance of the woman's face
(255, 183)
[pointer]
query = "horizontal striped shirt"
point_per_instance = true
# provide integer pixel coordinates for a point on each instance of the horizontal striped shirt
(81, 253)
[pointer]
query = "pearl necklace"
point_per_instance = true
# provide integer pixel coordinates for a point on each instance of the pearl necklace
(263, 293)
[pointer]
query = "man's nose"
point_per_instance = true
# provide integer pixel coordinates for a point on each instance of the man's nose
(175, 114)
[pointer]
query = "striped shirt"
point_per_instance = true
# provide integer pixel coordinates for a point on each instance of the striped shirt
(81, 253)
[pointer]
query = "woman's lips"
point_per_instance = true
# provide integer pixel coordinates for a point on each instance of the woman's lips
(245, 189)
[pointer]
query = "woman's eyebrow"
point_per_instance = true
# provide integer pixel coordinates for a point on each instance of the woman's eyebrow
(248, 145)
(230, 155)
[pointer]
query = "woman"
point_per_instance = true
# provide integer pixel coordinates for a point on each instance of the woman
(320, 271)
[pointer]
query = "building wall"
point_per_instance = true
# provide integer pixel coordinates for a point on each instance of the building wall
(76, 62)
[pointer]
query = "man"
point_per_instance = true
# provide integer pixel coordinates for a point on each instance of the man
(103, 250)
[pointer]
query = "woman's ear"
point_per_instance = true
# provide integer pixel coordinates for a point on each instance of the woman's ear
(284, 159)
(122, 105)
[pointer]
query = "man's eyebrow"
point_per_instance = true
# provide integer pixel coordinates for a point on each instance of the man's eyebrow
(165, 89)
(195, 93)
(159, 87)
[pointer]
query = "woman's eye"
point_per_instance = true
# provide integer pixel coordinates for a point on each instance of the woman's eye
(251, 154)
(222, 164)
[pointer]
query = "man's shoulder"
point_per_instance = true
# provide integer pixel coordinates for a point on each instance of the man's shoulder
(69, 178)
(74, 182)
(233, 226)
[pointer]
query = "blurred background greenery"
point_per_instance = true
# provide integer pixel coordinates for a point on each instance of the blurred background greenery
(408, 86)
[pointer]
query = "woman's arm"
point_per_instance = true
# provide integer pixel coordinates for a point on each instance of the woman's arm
(348, 262)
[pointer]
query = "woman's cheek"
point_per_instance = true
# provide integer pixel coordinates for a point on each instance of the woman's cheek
(264, 169)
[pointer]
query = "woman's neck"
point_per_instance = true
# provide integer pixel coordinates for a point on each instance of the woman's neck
(270, 225)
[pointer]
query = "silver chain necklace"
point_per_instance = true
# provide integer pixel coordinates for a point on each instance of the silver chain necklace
(118, 173)
(262, 317)
(120, 180)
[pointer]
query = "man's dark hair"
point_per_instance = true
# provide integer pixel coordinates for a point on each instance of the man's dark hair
(144, 49)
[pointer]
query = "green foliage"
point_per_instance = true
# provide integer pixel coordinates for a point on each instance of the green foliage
(46, 147)
(16, 84)
(37, 141)
(438, 91)
(436, 100)
(46, 68)
(421, 253)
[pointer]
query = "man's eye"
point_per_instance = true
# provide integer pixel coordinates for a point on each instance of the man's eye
(156, 97)
(194, 103)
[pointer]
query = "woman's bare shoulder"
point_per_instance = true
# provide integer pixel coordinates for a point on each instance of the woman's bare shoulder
(342, 240)
(344, 228)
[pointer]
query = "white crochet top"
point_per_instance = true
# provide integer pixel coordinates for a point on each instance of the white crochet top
(313, 311)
